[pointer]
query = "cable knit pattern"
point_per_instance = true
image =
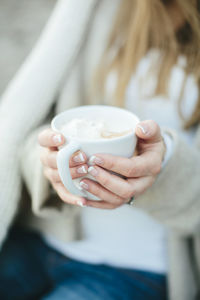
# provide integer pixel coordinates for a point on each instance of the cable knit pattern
(28, 98)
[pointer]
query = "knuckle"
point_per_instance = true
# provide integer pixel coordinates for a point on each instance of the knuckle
(95, 190)
(120, 202)
(127, 194)
(55, 176)
(130, 172)
(111, 164)
(105, 180)
(157, 168)
(52, 160)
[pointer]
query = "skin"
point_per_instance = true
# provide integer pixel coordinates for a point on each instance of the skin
(140, 171)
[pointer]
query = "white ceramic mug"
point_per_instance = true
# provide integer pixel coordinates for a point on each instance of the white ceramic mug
(121, 146)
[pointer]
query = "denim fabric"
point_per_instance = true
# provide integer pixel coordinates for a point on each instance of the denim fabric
(29, 269)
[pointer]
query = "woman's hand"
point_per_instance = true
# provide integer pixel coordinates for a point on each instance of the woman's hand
(137, 173)
(49, 140)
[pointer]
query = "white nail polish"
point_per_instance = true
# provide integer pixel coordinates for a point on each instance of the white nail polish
(144, 130)
(82, 170)
(93, 171)
(91, 160)
(57, 139)
(80, 204)
(84, 185)
(79, 158)
(95, 160)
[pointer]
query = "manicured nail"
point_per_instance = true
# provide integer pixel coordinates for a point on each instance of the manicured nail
(82, 170)
(93, 171)
(95, 160)
(79, 158)
(144, 128)
(57, 139)
(84, 185)
(80, 203)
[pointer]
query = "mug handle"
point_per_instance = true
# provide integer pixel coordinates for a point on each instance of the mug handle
(63, 158)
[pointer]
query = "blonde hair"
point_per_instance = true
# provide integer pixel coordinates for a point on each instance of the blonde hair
(141, 25)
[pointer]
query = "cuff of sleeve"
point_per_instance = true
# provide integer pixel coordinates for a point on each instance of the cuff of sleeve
(169, 148)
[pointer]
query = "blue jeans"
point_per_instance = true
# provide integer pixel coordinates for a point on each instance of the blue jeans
(29, 269)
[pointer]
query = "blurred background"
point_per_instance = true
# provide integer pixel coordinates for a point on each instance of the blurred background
(21, 22)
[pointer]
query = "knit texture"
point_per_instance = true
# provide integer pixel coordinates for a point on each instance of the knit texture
(174, 197)
(28, 98)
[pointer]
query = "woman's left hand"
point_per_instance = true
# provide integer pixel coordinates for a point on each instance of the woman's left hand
(137, 173)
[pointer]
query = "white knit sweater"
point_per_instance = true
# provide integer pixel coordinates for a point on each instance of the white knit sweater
(65, 52)
(30, 95)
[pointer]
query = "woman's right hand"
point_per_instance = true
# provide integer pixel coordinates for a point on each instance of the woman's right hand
(50, 141)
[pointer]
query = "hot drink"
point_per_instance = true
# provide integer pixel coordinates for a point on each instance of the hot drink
(89, 129)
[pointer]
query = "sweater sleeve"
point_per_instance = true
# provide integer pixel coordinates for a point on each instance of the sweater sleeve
(174, 199)
(30, 95)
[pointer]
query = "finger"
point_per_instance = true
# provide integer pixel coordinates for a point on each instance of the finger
(79, 171)
(52, 175)
(148, 131)
(99, 191)
(140, 185)
(111, 182)
(68, 197)
(143, 165)
(48, 158)
(49, 138)
(77, 158)
(100, 204)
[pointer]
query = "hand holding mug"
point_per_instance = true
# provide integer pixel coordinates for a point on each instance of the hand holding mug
(50, 141)
(139, 171)
(109, 159)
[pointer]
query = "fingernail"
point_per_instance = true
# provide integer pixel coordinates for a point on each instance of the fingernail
(57, 139)
(95, 160)
(79, 158)
(84, 185)
(82, 170)
(80, 203)
(93, 171)
(144, 128)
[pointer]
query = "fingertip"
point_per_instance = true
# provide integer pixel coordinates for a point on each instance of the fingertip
(78, 158)
(82, 202)
(148, 129)
(49, 138)
(58, 139)
(142, 130)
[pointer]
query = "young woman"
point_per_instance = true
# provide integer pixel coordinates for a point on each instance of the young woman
(142, 55)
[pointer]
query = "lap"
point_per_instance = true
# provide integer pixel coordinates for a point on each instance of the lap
(97, 282)
(22, 274)
(31, 270)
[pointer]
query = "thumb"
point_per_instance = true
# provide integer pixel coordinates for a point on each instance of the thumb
(149, 131)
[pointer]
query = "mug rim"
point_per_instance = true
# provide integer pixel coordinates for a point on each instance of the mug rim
(85, 107)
